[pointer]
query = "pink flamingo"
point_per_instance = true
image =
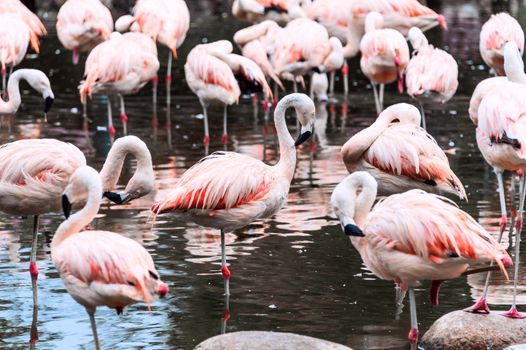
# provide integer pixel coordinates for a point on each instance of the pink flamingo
(501, 140)
(33, 22)
(401, 155)
(431, 74)
(36, 79)
(216, 75)
(228, 190)
(100, 268)
(121, 65)
(34, 173)
(385, 55)
(497, 31)
(412, 236)
(165, 21)
(82, 25)
(281, 11)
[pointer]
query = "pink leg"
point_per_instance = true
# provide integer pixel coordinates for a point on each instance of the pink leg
(224, 138)
(224, 268)
(413, 333)
(33, 269)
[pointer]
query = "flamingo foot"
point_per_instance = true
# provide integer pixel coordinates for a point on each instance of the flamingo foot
(513, 313)
(111, 130)
(503, 222)
(33, 271)
(413, 335)
(224, 139)
(480, 307)
(226, 315)
(226, 272)
(124, 117)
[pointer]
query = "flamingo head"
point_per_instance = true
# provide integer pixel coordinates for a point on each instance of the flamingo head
(305, 112)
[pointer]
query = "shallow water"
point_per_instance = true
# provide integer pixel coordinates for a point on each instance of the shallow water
(295, 272)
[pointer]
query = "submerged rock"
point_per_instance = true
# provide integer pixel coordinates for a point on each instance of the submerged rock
(467, 331)
(255, 340)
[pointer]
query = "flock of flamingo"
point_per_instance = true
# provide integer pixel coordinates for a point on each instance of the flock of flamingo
(413, 234)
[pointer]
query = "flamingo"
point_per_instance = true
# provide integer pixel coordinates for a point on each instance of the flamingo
(82, 25)
(36, 79)
(14, 41)
(412, 236)
(100, 268)
(501, 140)
(401, 155)
(385, 55)
(165, 21)
(36, 28)
(34, 173)
(121, 65)
(277, 10)
(431, 74)
(228, 190)
(215, 75)
(497, 31)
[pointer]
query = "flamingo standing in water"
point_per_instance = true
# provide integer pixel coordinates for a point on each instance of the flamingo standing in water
(82, 25)
(401, 155)
(34, 173)
(495, 33)
(100, 268)
(412, 236)
(281, 11)
(385, 55)
(501, 140)
(121, 65)
(432, 74)
(165, 21)
(215, 75)
(37, 80)
(228, 190)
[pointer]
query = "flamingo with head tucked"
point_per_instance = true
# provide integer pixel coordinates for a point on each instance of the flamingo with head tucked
(385, 55)
(34, 173)
(495, 33)
(412, 236)
(36, 28)
(401, 155)
(82, 25)
(228, 190)
(100, 268)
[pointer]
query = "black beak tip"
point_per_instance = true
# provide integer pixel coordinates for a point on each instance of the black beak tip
(353, 230)
(302, 138)
(114, 197)
(66, 206)
(48, 103)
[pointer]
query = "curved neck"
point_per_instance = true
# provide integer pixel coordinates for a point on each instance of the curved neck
(13, 94)
(356, 146)
(76, 222)
(354, 36)
(287, 150)
(514, 70)
(112, 168)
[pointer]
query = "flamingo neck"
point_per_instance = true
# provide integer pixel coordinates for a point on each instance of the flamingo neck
(287, 150)
(357, 145)
(128, 145)
(13, 94)
(515, 71)
(354, 35)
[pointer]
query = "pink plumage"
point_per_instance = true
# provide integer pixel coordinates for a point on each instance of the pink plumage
(32, 21)
(14, 40)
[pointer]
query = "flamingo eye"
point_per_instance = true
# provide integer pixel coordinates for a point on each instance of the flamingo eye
(154, 275)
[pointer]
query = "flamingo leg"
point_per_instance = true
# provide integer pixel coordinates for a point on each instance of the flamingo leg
(33, 269)
(481, 306)
(276, 95)
(111, 129)
(155, 82)
(85, 109)
(224, 268)
(513, 313)
(224, 138)
(206, 139)
(413, 333)
(33, 340)
(4, 83)
(94, 329)
(124, 117)
(513, 213)
(376, 100)
(399, 300)
(382, 88)
(226, 314)
(423, 116)
(331, 83)
(169, 78)
(345, 74)
(295, 84)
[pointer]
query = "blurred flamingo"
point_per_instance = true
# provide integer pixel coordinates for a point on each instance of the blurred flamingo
(431, 75)
(501, 140)
(401, 155)
(100, 268)
(254, 11)
(165, 21)
(35, 172)
(122, 66)
(228, 190)
(385, 55)
(497, 31)
(216, 75)
(82, 25)
(36, 28)
(36, 79)
(412, 236)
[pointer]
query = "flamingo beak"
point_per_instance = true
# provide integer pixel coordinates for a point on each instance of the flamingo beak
(119, 198)
(48, 103)
(353, 231)
(305, 134)
(66, 206)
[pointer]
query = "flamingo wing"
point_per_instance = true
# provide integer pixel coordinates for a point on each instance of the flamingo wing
(14, 40)
(33, 22)
(223, 180)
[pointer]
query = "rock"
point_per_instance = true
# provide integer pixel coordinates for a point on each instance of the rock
(516, 347)
(467, 331)
(254, 340)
